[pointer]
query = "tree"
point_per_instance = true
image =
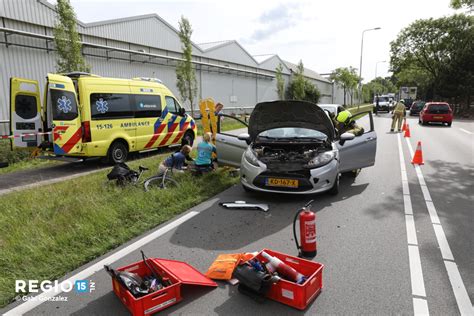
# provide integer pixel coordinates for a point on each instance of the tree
(458, 4)
(379, 86)
(437, 53)
(347, 78)
(67, 40)
(280, 82)
(185, 72)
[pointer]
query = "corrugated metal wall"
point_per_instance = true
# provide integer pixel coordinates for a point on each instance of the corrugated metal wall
(36, 16)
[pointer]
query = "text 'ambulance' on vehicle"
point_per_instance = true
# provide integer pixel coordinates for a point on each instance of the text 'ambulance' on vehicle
(92, 116)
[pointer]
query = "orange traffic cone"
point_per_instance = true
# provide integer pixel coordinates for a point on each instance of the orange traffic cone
(404, 126)
(418, 157)
(407, 131)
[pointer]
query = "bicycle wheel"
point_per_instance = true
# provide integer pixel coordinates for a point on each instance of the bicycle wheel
(158, 182)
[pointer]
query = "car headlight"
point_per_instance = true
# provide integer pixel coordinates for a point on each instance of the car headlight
(250, 157)
(321, 159)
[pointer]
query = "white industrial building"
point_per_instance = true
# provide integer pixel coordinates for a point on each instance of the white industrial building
(139, 46)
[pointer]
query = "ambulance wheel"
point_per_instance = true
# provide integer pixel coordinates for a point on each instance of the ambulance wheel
(335, 187)
(118, 152)
(188, 139)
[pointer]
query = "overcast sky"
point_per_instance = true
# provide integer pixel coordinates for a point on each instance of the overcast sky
(324, 34)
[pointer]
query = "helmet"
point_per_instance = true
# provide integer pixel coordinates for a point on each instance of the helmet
(344, 116)
(401, 100)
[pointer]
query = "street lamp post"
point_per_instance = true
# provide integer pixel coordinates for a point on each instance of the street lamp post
(361, 51)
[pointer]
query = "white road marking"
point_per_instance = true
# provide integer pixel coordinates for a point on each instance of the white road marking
(417, 283)
(460, 293)
(443, 242)
(87, 272)
(411, 231)
(420, 305)
(466, 131)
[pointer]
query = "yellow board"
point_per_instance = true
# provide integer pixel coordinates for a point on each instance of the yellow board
(208, 117)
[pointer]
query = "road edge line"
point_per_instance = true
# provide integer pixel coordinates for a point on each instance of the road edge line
(459, 290)
(420, 303)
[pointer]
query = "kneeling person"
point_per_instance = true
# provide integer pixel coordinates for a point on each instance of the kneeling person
(177, 160)
(205, 150)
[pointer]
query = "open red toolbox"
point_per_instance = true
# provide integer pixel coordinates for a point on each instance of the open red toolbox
(177, 272)
(296, 295)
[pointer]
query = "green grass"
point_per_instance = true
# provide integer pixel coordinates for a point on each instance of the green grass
(48, 231)
(19, 159)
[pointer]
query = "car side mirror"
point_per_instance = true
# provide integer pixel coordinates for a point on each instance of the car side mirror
(182, 111)
(345, 137)
(245, 137)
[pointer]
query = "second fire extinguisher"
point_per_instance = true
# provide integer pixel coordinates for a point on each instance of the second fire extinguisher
(307, 219)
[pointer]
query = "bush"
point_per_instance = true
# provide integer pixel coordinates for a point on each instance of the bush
(7, 155)
(311, 92)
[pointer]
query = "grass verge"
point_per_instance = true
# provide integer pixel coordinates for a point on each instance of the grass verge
(19, 159)
(48, 231)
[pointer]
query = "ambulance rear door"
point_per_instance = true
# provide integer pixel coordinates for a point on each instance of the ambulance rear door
(25, 113)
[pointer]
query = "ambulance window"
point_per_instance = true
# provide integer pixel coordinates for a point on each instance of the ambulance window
(147, 105)
(25, 106)
(110, 106)
(171, 105)
(64, 105)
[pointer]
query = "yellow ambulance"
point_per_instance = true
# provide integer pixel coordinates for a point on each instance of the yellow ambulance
(86, 115)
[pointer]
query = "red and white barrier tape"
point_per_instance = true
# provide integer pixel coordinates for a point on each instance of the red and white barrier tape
(22, 135)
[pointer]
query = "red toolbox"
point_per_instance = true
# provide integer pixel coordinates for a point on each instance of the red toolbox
(177, 272)
(296, 295)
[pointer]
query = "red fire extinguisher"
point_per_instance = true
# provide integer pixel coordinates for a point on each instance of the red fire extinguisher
(307, 231)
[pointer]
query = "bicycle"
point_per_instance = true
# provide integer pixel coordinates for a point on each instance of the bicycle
(123, 175)
(162, 181)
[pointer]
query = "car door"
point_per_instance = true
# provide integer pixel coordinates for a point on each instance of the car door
(173, 119)
(67, 129)
(229, 148)
(25, 112)
(359, 152)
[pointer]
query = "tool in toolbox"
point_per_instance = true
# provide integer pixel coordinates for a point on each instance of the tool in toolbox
(149, 274)
(289, 280)
(276, 265)
(307, 218)
(242, 205)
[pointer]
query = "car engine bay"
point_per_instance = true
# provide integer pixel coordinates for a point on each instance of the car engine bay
(288, 157)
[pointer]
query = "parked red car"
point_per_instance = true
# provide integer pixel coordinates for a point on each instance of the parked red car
(436, 112)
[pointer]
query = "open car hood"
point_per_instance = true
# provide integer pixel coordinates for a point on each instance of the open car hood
(289, 113)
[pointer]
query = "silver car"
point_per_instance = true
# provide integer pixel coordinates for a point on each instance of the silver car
(293, 147)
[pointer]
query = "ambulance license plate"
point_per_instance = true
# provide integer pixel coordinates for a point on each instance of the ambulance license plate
(277, 182)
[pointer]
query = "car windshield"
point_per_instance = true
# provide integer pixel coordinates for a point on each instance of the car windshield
(382, 99)
(418, 105)
(438, 108)
(292, 133)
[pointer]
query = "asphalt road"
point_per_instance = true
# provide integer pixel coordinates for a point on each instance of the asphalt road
(361, 233)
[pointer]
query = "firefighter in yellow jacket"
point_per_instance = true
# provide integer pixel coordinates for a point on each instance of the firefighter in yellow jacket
(399, 113)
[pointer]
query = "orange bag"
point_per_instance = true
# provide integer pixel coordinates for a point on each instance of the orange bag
(224, 265)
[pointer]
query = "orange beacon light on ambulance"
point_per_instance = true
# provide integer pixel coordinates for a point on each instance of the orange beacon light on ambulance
(92, 116)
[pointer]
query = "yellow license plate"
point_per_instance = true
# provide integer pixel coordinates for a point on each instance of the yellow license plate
(437, 117)
(276, 182)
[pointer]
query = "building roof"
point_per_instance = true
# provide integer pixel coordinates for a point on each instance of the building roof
(307, 72)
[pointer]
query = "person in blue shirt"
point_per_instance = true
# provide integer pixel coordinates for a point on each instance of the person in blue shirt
(176, 161)
(205, 150)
